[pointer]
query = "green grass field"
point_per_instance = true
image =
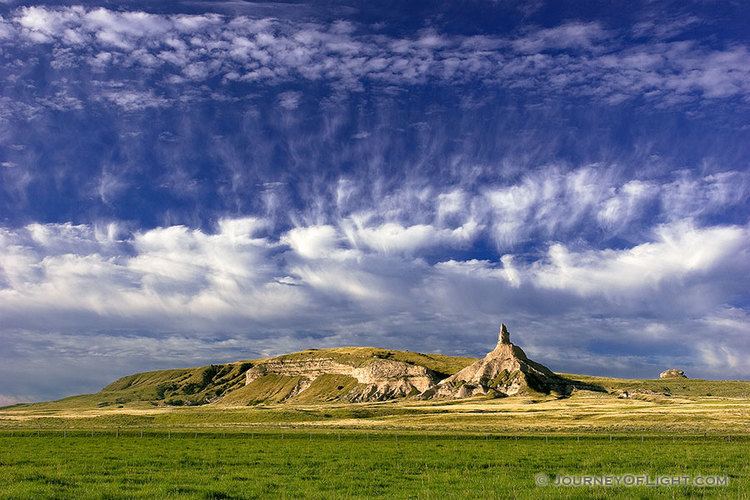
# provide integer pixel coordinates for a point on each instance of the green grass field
(297, 464)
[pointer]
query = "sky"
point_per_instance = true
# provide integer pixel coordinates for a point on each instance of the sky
(188, 182)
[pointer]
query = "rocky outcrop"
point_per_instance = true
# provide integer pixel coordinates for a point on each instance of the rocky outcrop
(504, 371)
(388, 379)
(672, 373)
(305, 368)
(378, 379)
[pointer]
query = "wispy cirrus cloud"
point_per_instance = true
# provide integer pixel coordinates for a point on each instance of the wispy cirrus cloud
(573, 35)
(573, 59)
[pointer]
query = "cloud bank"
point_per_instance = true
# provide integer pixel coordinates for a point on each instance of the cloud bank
(186, 56)
(671, 296)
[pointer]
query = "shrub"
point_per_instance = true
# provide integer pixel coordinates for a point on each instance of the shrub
(191, 388)
(209, 374)
(163, 389)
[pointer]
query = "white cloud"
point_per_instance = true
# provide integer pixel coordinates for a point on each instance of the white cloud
(41, 24)
(134, 100)
(554, 203)
(680, 251)
(626, 203)
(720, 356)
(665, 25)
(565, 36)
(315, 242)
(290, 100)
(6, 30)
(690, 196)
(64, 288)
(346, 282)
(580, 59)
(174, 271)
(550, 200)
(451, 204)
(483, 269)
(109, 185)
(392, 237)
(180, 271)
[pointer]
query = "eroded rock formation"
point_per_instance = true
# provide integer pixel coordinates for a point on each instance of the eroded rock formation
(504, 371)
(378, 380)
(672, 373)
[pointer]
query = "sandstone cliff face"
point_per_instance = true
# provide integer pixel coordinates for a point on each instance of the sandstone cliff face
(387, 379)
(504, 371)
(378, 380)
(306, 368)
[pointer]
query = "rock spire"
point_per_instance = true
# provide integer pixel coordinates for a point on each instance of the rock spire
(504, 371)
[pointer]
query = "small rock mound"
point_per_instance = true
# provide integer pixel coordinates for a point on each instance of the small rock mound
(504, 371)
(672, 373)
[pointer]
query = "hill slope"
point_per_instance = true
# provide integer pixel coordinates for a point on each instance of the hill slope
(225, 384)
(344, 375)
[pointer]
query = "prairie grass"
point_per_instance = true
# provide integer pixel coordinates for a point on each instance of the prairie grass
(341, 464)
(584, 412)
(128, 441)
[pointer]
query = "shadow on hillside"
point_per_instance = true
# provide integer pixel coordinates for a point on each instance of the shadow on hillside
(568, 385)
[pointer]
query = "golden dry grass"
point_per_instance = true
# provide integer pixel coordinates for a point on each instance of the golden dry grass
(582, 413)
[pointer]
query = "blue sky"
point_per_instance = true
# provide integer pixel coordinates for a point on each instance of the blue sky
(194, 182)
